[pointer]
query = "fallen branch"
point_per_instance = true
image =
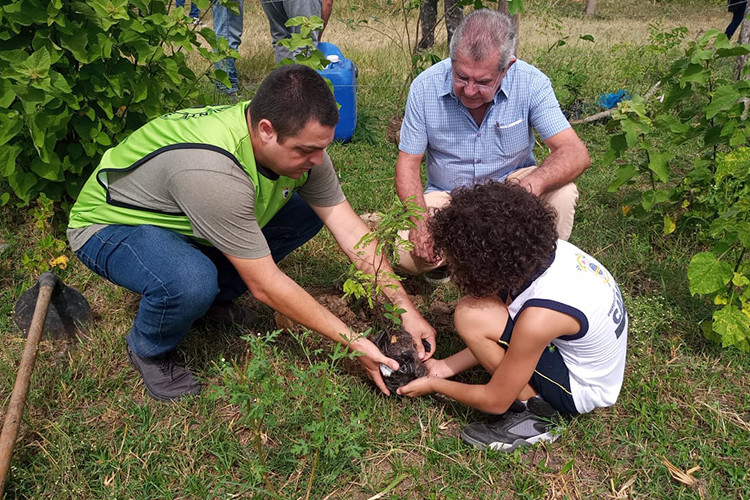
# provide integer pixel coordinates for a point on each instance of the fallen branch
(593, 118)
(608, 112)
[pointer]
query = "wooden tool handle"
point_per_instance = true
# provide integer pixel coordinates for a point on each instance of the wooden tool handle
(21, 388)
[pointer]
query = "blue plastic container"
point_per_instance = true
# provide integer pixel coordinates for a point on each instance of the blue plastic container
(343, 74)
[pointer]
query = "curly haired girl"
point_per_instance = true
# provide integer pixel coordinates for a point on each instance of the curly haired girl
(544, 318)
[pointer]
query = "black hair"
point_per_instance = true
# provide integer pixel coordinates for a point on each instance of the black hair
(289, 97)
(494, 236)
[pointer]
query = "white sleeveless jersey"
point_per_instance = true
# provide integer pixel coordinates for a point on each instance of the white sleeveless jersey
(579, 286)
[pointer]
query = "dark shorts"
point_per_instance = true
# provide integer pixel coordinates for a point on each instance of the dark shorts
(550, 378)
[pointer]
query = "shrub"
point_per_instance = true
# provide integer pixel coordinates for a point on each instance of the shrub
(78, 77)
(686, 157)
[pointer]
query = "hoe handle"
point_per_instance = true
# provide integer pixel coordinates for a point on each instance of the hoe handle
(21, 388)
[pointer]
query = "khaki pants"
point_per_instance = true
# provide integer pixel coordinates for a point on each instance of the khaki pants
(562, 200)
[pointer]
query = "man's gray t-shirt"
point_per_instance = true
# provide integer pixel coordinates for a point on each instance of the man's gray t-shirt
(214, 192)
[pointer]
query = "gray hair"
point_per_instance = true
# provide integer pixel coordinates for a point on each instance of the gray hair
(483, 32)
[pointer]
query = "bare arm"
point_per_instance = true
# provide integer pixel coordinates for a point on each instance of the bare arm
(452, 365)
(271, 286)
(409, 185)
(567, 160)
(535, 329)
(347, 228)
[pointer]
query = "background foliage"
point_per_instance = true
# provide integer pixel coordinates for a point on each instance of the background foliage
(703, 190)
(77, 77)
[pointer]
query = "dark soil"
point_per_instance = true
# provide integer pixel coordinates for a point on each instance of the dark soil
(394, 344)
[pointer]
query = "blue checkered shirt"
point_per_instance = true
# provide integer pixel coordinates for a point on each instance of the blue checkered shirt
(461, 153)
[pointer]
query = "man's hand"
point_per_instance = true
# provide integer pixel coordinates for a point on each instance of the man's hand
(371, 359)
(417, 387)
(424, 247)
(420, 329)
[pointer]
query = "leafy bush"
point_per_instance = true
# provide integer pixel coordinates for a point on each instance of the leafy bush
(705, 189)
(77, 77)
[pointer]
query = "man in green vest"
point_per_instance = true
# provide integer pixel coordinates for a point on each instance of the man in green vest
(198, 206)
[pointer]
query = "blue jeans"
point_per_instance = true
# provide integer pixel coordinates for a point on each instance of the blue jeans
(229, 26)
(178, 278)
(195, 13)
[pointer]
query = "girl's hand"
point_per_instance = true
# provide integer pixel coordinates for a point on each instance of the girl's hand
(417, 387)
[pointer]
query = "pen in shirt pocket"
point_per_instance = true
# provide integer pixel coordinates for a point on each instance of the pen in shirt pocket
(497, 124)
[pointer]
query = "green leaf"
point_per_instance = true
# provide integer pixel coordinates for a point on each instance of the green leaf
(633, 131)
(743, 232)
(651, 198)
(8, 155)
(624, 174)
(37, 124)
(658, 163)
(724, 98)
(735, 50)
(707, 274)
(50, 170)
(740, 280)
(77, 44)
(733, 326)
(36, 67)
(694, 73)
(7, 95)
(588, 38)
(22, 183)
(11, 124)
(738, 138)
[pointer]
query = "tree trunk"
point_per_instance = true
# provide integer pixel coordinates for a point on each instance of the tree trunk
(744, 38)
(502, 6)
(590, 7)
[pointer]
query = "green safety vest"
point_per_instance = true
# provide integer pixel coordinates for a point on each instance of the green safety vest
(222, 129)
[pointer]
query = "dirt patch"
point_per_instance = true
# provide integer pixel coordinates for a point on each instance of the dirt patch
(438, 313)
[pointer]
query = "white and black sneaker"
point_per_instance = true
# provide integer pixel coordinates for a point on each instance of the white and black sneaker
(519, 426)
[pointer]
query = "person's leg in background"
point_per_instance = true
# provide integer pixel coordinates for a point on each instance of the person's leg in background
(229, 26)
(195, 13)
(738, 8)
(279, 12)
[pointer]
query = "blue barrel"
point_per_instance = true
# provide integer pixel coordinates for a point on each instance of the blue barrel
(343, 74)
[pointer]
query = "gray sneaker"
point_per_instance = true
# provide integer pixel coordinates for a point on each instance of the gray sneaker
(518, 426)
(164, 378)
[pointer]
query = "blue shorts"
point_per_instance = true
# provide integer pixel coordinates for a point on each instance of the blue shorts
(550, 378)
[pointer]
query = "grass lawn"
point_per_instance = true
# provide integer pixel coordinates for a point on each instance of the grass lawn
(286, 416)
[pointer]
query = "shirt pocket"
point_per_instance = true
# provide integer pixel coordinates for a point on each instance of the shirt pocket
(512, 139)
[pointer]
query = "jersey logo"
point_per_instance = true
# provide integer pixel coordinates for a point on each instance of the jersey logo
(186, 114)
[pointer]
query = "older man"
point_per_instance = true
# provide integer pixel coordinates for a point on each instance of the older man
(474, 115)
